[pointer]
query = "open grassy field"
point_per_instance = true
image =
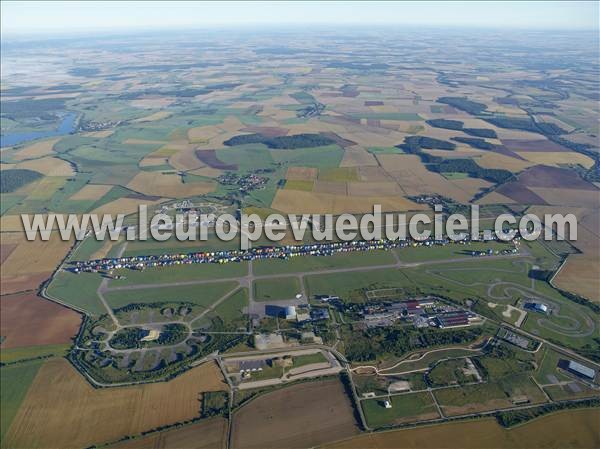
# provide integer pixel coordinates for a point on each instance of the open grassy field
(275, 289)
(305, 415)
(60, 405)
(405, 408)
(203, 296)
(15, 381)
(573, 428)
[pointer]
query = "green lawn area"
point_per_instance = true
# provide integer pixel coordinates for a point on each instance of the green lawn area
(181, 273)
(232, 307)
(14, 382)
(313, 263)
(450, 251)
(469, 394)
(276, 289)
(405, 408)
(308, 359)
(299, 185)
(78, 290)
(268, 372)
(338, 174)
(203, 295)
(547, 366)
(351, 286)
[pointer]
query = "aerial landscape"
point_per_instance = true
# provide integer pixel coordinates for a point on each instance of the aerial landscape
(147, 340)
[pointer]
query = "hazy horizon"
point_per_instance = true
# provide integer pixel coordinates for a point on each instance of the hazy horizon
(27, 18)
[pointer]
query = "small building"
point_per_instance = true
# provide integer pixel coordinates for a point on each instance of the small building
(290, 313)
(387, 404)
(577, 368)
(453, 319)
(537, 307)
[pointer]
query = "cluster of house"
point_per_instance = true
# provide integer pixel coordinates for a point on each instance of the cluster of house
(265, 252)
(246, 183)
(423, 312)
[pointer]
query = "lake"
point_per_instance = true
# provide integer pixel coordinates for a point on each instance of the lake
(67, 126)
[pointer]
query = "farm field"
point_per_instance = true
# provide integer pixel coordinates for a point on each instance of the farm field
(117, 412)
(306, 415)
(209, 434)
(116, 343)
(28, 320)
(405, 408)
(544, 432)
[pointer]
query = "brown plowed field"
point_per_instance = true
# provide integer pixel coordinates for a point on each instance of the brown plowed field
(209, 157)
(28, 320)
(300, 416)
(209, 434)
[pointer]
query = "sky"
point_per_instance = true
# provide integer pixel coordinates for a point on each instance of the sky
(24, 17)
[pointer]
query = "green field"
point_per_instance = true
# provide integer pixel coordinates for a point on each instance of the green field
(78, 290)
(276, 289)
(31, 352)
(232, 308)
(437, 253)
(455, 175)
(405, 408)
(308, 359)
(180, 273)
(14, 381)
(204, 295)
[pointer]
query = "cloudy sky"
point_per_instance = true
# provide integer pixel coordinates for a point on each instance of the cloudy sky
(35, 17)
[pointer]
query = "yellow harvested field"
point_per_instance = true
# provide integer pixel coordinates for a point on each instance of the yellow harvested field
(61, 409)
(384, 188)
(374, 174)
(573, 197)
(31, 257)
(207, 171)
(49, 166)
(357, 157)
(414, 179)
(495, 160)
(160, 115)
(152, 103)
(203, 134)
(291, 184)
(579, 275)
(167, 185)
(153, 161)
(299, 202)
(123, 206)
(46, 187)
(206, 434)
(571, 428)
(100, 134)
(36, 150)
(557, 158)
(333, 187)
(91, 192)
(495, 198)
(301, 173)
(185, 160)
